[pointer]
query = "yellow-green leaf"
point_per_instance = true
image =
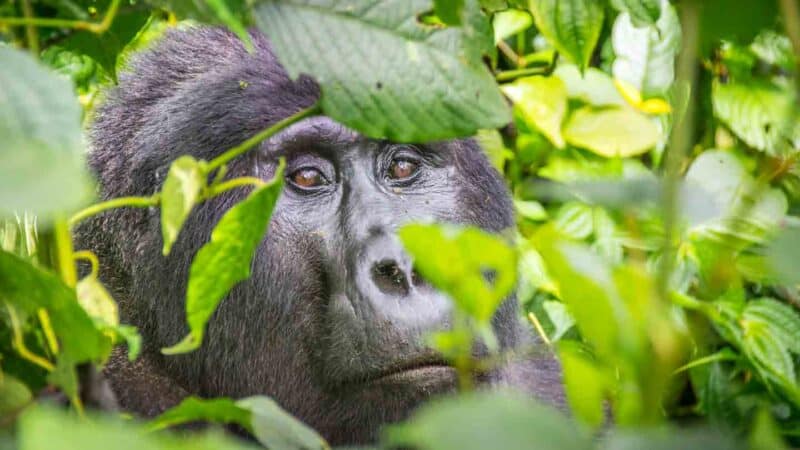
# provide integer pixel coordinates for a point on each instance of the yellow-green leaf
(542, 103)
(181, 191)
(611, 132)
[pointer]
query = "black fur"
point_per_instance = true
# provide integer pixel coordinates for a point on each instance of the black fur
(310, 324)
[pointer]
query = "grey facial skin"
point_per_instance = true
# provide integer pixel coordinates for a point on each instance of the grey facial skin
(331, 321)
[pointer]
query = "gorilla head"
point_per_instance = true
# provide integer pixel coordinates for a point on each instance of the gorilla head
(330, 323)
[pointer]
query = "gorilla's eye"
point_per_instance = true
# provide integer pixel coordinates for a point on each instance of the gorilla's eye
(307, 178)
(402, 168)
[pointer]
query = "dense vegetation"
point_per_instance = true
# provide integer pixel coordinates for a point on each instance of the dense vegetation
(653, 159)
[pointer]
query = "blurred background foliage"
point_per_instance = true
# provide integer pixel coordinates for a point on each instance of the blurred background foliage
(653, 159)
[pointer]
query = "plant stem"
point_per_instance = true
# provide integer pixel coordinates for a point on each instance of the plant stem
(31, 33)
(86, 255)
(242, 148)
(679, 145)
(65, 263)
(133, 202)
(509, 75)
(234, 183)
(93, 27)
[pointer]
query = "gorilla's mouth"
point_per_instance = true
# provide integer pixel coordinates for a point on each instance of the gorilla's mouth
(420, 371)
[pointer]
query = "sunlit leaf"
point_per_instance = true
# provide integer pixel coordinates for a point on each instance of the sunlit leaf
(225, 260)
(181, 191)
(542, 102)
(594, 86)
(783, 252)
(96, 301)
(14, 395)
(782, 320)
(457, 260)
(645, 56)
(510, 22)
(277, 429)
(611, 132)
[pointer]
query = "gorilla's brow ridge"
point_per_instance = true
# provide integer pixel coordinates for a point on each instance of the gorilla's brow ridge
(319, 134)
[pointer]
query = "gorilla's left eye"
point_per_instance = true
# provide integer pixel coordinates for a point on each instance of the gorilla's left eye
(307, 178)
(402, 168)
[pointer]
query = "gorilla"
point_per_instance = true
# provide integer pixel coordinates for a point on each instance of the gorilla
(330, 324)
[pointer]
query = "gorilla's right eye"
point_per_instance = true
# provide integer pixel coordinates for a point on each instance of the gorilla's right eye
(307, 178)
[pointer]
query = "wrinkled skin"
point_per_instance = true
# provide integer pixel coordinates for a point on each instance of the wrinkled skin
(330, 323)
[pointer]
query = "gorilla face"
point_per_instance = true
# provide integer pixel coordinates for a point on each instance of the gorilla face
(331, 322)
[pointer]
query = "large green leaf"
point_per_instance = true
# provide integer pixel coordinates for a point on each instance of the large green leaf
(611, 132)
(385, 74)
(181, 191)
(456, 261)
(41, 148)
(646, 55)
(585, 383)
(759, 113)
(45, 428)
(542, 103)
(462, 423)
(225, 260)
(572, 26)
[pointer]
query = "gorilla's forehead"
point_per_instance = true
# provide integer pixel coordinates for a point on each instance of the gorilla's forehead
(321, 134)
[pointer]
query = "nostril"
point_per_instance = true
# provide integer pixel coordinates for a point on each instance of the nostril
(390, 278)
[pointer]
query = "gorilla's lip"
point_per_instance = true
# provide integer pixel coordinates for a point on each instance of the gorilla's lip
(413, 371)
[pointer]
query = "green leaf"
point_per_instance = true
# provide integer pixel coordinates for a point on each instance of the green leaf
(643, 12)
(185, 181)
(44, 428)
(41, 148)
(530, 209)
(105, 48)
(96, 301)
(611, 132)
(560, 317)
(450, 424)
(768, 353)
(386, 75)
(14, 395)
(449, 11)
(758, 112)
(496, 151)
(225, 260)
(574, 219)
(194, 409)
(571, 26)
(585, 383)
(722, 176)
(782, 321)
(593, 86)
(28, 289)
(646, 56)
(277, 429)
(542, 103)
(510, 22)
(782, 253)
(719, 21)
(456, 260)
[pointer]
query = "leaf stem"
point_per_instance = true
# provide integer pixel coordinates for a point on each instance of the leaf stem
(242, 148)
(93, 27)
(234, 183)
(510, 75)
(18, 342)
(31, 33)
(680, 142)
(65, 263)
(133, 202)
(86, 255)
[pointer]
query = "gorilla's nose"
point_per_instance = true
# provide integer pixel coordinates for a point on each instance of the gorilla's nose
(392, 279)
